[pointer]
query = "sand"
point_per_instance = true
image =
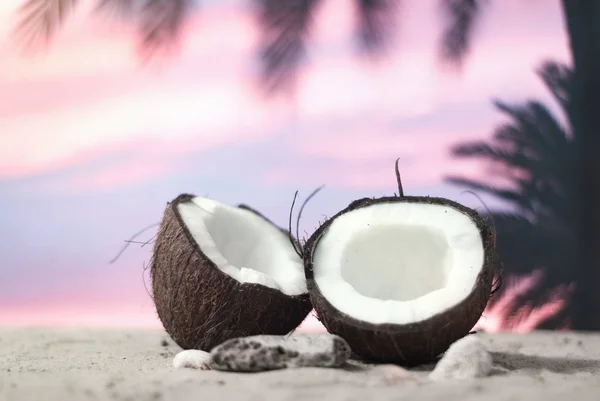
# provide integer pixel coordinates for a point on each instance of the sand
(90, 364)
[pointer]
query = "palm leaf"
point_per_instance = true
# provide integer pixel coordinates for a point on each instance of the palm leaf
(538, 172)
(507, 195)
(536, 134)
(461, 16)
(525, 245)
(160, 25)
(537, 156)
(285, 25)
(40, 19)
(376, 23)
(536, 122)
(122, 8)
(513, 157)
(557, 77)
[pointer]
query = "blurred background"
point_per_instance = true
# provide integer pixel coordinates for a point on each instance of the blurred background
(111, 108)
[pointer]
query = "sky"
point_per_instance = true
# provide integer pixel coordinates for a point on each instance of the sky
(93, 145)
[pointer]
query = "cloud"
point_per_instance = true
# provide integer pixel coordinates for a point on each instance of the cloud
(377, 174)
(105, 101)
(212, 113)
(113, 176)
(376, 177)
(413, 84)
(133, 163)
(358, 152)
(39, 96)
(86, 97)
(354, 120)
(92, 45)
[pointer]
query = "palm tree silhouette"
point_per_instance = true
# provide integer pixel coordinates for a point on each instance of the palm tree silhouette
(286, 25)
(535, 155)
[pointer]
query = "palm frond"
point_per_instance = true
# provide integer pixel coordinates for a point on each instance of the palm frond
(376, 23)
(534, 154)
(525, 245)
(161, 24)
(461, 16)
(40, 19)
(535, 123)
(508, 195)
(121, 8)
(285, 25)
(513, 158)
(537, 156)
(536, 134)
(557, 77)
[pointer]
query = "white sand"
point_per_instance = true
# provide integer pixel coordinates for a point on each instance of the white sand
(89, 364)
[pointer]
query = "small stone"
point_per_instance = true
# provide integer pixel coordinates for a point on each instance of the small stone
(268, 352)
(193, 359)
(467, 358)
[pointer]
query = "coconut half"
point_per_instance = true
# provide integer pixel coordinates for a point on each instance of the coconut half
(401, 278)
(220, 272)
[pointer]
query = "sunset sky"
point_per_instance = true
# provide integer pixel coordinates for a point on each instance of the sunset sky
(92, 146)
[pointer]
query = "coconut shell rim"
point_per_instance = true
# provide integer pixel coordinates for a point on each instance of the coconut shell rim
(490, 260)
(186, 197)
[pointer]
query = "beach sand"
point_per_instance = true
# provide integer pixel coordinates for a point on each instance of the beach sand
(65, 364)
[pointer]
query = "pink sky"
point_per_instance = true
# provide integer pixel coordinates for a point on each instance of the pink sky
(83, 124)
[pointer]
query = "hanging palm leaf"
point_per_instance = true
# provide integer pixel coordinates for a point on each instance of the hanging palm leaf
(40, 19)
(285, 25)
(161, 22)
(376, 23)
(461, 16)
(121, 8)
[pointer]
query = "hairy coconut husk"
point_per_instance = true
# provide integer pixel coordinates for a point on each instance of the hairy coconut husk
(200, 306)
(414, 343)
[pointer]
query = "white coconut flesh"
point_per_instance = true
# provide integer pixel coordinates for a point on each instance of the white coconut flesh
(398, 263)
(244, 245)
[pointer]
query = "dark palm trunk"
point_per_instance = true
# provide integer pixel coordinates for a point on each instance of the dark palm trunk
(583, 26)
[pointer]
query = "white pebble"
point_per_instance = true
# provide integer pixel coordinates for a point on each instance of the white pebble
(192, 358)
(467, 358)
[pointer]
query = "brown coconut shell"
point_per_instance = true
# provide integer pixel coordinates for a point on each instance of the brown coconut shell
(200, 306)
(414, 343)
